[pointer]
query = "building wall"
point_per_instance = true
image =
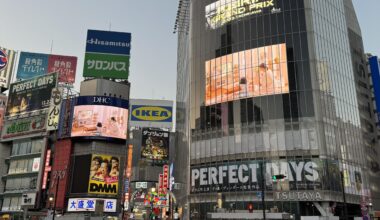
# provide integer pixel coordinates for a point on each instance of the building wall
(318, 118)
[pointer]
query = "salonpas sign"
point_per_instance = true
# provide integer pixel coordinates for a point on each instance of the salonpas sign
(250, 175)
(26, 126)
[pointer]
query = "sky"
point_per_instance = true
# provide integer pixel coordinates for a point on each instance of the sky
(60, 27)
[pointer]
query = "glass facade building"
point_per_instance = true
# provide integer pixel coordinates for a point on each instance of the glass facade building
(266, 88)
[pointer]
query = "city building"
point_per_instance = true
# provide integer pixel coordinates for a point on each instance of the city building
(151, 143)
(274, 110)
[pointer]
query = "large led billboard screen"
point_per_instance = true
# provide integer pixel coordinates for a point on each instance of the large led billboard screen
(30, 95)
(222, 12)
(104, 175)
(100, 117)
(155, 146)
(250, 73)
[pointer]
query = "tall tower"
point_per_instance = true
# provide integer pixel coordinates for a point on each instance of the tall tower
(267, 89)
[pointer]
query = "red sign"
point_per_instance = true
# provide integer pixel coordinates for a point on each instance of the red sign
(47, 169)
(160, 187)
(165, 180)
(65, 66)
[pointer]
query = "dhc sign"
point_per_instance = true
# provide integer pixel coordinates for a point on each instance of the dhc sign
(151, 113)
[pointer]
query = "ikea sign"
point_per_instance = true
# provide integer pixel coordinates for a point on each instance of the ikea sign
(151, 113)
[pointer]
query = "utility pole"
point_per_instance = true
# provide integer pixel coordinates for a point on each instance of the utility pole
(55, 195)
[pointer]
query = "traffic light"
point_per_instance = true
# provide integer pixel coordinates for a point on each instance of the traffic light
(250, 207)
(278, 177)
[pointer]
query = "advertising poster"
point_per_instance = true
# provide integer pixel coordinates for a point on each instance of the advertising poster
(223, 11)
(30, 95)
(151, 113)
(31, 65)
(104, 175)
(155, 146)
(107, 54)
(256, 72)
(7, 62)
(25, 126)
(37, 64)
(65, 66)
(249, 176)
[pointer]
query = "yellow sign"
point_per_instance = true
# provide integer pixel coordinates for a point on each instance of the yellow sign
(104, 175)
(151, 113)
(222, 12)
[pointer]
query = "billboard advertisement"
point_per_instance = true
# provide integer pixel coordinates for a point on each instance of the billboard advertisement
(251, 73)
(38, 64)
(30, 95)
(151, 113)
(7, 62)
(248, 176)
(65, 66)
(100, 116)
(107, 54)
(155, 146)
(25, 126)
(104, 175)
(222, 12)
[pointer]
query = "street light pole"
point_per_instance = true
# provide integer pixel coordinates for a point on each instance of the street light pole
(55, 196)
(344, 196)
(263, 189)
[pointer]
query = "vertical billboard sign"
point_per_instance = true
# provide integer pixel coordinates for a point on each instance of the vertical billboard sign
(54, 109)
(30, 95)
(155, 146)
(104, 175)
(7, 62)
(107, 54)
(375, 72)
(37, 64)
(165, 177)
(3, 105)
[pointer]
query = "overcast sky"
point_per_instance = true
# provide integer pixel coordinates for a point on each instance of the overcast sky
(39, 25)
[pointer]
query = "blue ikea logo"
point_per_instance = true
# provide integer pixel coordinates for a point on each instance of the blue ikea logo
(151, 113)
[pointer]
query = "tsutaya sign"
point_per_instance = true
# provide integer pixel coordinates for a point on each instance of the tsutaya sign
(298, 196)
(224, 11)
(247, 176)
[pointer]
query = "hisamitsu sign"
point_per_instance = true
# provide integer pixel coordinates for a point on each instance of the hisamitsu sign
(107, 54)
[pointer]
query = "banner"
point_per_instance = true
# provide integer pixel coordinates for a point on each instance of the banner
(7, 62)
(30, 95)
(37, 64)
(155, 146)
(107, 54)
(54, 109)
(250, 175)
(104, 175)
(25, 126)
